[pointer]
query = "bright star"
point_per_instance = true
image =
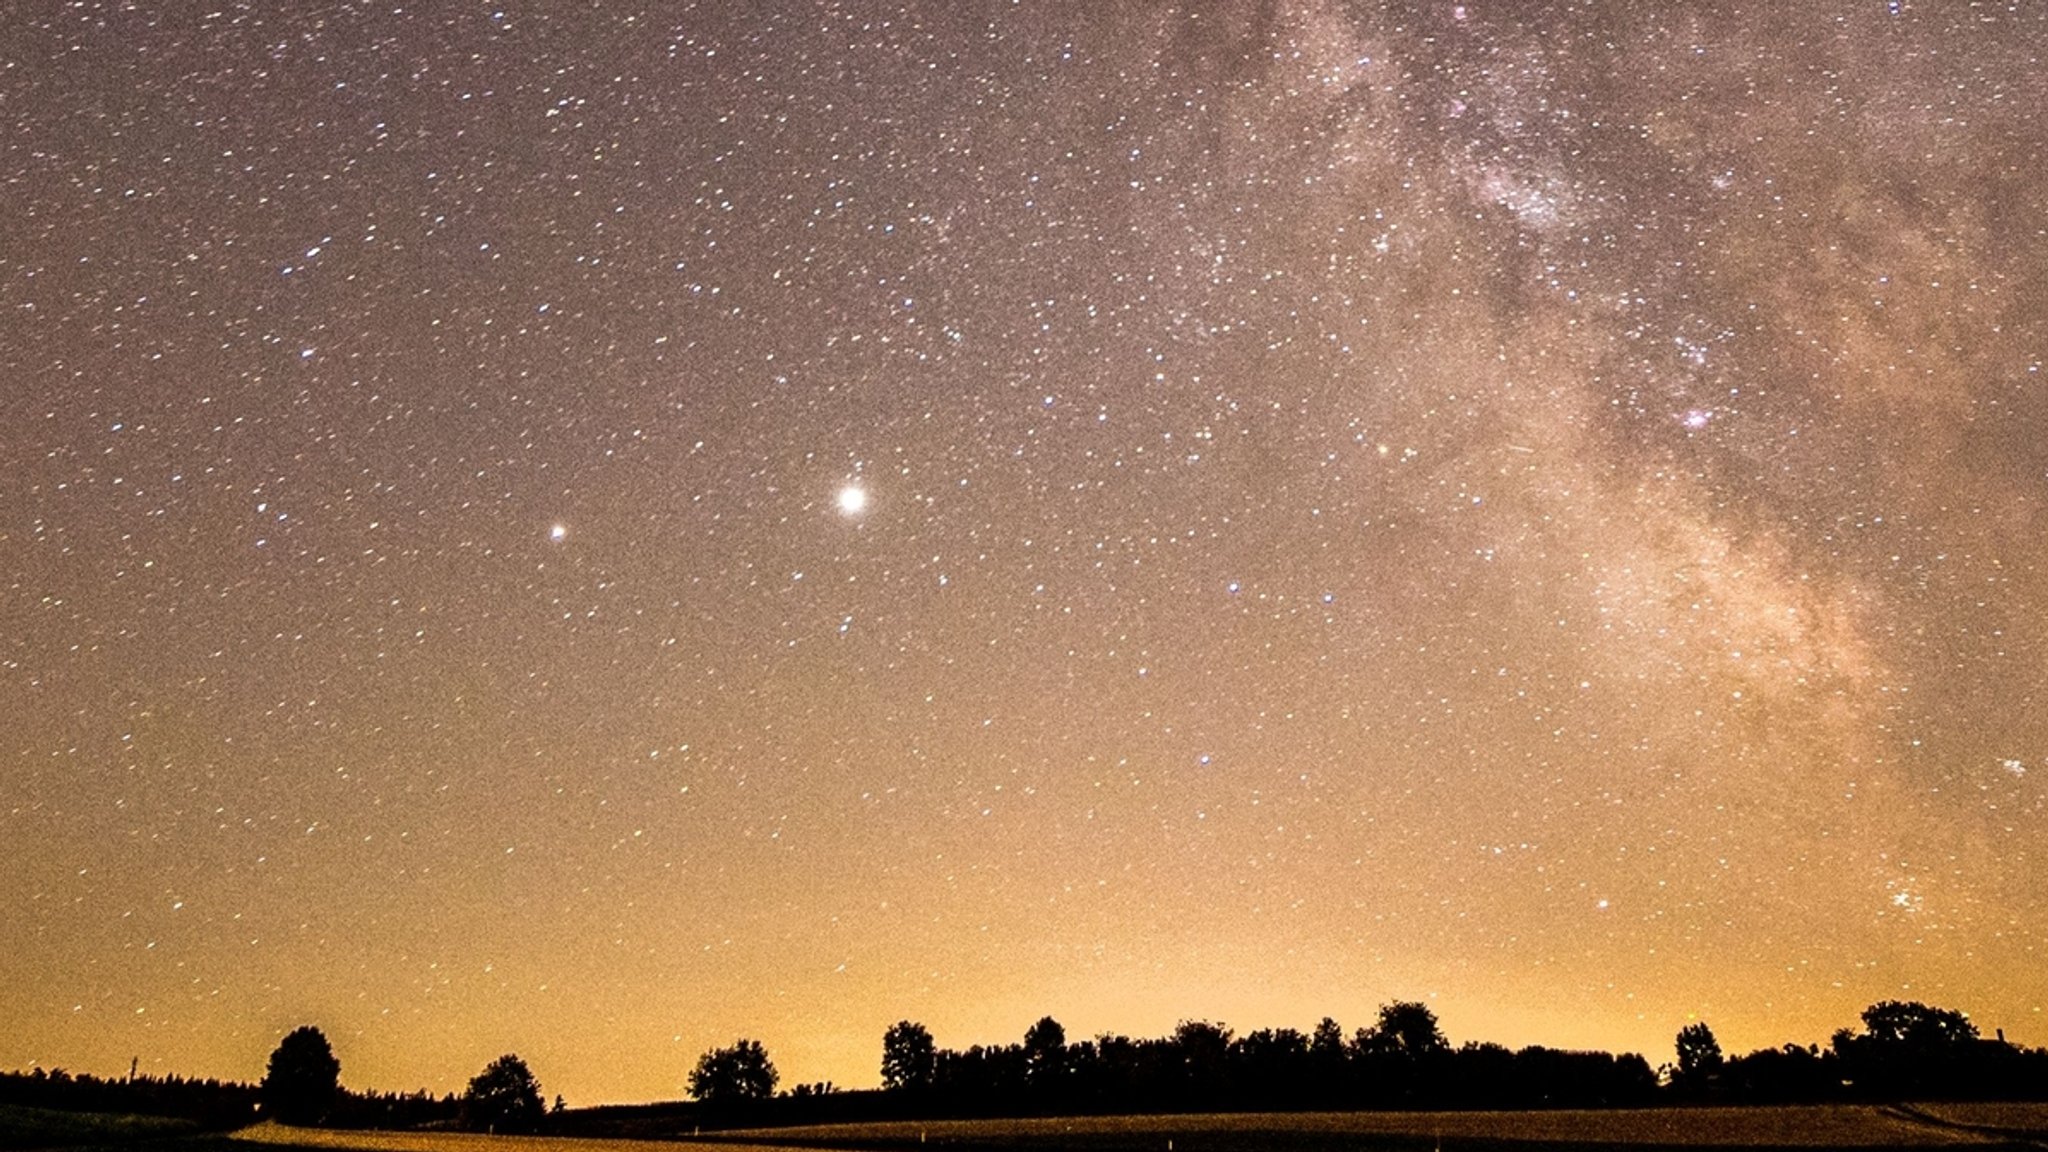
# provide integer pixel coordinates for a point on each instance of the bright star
(853, 499)
(558, 532)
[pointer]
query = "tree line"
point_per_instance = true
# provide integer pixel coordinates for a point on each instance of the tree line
(302, 1086)
(213, 1104)
(1402, 1061)
(1903, 1051)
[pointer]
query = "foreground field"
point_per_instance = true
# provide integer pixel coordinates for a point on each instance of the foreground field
(42, 1128)
(277, 1135)
(2023, 1121)
(1844, 1127)
(1799, 1129)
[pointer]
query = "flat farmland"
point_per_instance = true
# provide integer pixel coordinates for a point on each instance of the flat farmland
(2027, 1121)
(22, 1127)
(1806, 1129)
(1787, 1127)
(280, 1136)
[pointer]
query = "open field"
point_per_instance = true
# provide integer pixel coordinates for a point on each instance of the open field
(277, 1135)
(43, 1128)
(2027, 1121)
(202, 1142)
(1804, 1129)
(1784, 1127)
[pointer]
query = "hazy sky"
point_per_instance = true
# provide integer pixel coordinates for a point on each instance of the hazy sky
(594, 531)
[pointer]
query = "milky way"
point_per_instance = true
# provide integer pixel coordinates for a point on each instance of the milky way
(592, 532)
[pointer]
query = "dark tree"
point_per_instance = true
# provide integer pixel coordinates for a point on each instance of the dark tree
(303, 1080)
(909, 1058)
(1783, 1075)
(504, 1097)
(730, 1075)
(1408, 1028)
(1045, 1050)
(1270, 1070)
(1916, 1025)
(1909, 1049)
(1327, 1061)
(1699, 1055)
(1202, 1050)
(1327, 1041)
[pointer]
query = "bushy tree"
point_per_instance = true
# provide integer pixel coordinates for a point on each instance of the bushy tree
(1045, 1050)
(1909, 1049)
(504, 1097)
(1408, 1028)
(729, 1075)
(1202, 1050)
(1327, 1058)
(1915, 1024)
(1699, 1054)
(1327, 1041)
(1783, 1075)
(910, 1060)
(303, 1080)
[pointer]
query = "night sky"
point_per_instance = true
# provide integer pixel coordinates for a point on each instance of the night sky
(594, 531)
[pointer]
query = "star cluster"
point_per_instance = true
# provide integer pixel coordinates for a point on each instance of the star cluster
(592, 532)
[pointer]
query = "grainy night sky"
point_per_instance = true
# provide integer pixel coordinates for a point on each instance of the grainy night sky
(592, 531)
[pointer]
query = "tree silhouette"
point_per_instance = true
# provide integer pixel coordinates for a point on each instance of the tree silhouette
(1203, 1051)
(1045, 1051)
(1327, 1041)
(1916, 1025)
(1270, 1069)
(504, 1097)
(1904, 1051)
(729, 1075)
(1327, 1058)
(1408, 1028)
(1699, 1055)
(910, 1060)
(1783, 1075)
(1909, 1049)
(303, 1080)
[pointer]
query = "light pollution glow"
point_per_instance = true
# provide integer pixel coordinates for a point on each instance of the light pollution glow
(1528, 507)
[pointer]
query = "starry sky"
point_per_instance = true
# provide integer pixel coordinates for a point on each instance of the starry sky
(592, 531)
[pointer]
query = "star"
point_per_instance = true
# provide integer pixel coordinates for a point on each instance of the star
(853, 500)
